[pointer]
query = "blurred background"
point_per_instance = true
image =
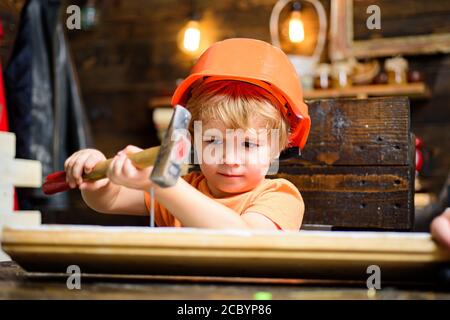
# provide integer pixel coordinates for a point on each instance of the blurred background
(128, 57)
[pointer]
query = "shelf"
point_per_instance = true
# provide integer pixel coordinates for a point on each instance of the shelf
(412, 90)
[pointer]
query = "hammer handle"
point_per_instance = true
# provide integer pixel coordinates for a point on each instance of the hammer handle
(56, 182)
(140, 160)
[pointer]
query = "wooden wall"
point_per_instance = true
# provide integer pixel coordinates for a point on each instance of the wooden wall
(430, 117)
(402, 18)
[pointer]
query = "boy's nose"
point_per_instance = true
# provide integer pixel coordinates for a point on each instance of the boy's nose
(232, 157)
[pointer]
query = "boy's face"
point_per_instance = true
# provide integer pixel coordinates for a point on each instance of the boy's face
(234, 160)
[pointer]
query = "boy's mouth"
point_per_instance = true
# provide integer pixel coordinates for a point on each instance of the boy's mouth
(230, 175)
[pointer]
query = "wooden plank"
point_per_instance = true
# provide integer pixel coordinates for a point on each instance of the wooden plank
(411, 45)
(359, 132)
(358, 210)
(20, 172)
(370, 179)
(186, 251)
(354, 197)
(416, 90)
(7, 144)
(17, 218)
(6, 198)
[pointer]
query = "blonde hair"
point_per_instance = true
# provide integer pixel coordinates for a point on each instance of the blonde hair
(235, 103)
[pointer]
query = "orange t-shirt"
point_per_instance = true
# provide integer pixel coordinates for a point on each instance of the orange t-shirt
(277, 199)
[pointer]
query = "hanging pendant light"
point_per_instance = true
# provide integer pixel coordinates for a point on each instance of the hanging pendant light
(304, 65)
(192, 34)
(296, 29)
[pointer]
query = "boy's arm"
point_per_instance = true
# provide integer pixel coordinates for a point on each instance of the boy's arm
(113, 198)
(440, 228)
(123, 193)
(194, 209)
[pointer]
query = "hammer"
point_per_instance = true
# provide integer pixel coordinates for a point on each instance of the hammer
(167, 159)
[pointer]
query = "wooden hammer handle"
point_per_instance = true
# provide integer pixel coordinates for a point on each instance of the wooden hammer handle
(140, 160)
(56, 182)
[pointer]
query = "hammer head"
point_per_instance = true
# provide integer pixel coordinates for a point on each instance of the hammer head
(174, 150)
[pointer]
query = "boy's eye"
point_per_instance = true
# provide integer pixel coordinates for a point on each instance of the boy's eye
(213, 141)
(248, 144)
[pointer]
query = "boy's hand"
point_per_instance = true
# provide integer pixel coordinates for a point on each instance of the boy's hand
(80, 162)
(122, 171)
(440, 228)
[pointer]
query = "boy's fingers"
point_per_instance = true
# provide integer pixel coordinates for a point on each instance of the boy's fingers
(66, 163)
(71, 180)
(128, 168)
(109, 172)
(440, 229)
(71, 160)
(118, 164)
(90, 163)
(78, 167)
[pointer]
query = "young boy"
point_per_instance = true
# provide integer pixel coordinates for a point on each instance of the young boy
(246, 98)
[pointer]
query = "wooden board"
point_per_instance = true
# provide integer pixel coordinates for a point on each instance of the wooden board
(20, 172)
(371, 197)
(16, 172)
(357, 168)
(6, 198)
(20, 218)
(411, 90)
(168, 251)
(7, 144)
(359, 132)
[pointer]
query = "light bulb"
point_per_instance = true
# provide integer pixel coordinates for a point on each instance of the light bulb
(296, 30)
(191, 41)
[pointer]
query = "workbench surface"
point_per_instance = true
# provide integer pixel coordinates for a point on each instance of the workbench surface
(15, 283)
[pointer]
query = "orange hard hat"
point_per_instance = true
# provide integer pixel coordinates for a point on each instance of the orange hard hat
(261, 64)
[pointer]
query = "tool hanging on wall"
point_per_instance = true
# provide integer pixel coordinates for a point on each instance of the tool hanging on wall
(167, 159)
